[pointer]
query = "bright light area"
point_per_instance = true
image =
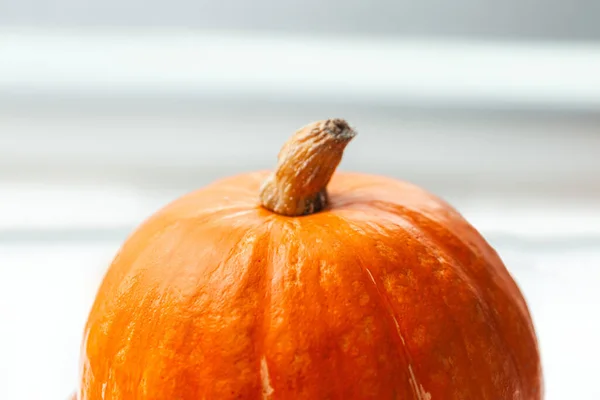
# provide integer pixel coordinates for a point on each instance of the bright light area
(250, 64)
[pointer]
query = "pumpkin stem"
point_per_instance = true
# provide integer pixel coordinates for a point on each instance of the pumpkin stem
(305, 165)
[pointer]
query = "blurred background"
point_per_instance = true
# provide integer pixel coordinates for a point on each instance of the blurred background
(110, 109)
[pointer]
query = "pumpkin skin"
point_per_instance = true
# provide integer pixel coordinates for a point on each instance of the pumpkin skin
(388, 293)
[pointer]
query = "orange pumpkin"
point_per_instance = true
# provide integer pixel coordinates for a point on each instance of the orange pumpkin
(305, 284)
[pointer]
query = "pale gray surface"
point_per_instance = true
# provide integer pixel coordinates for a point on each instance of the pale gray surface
(539, 19)
(186, 142)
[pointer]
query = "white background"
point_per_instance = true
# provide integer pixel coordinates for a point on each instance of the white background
(99, 128)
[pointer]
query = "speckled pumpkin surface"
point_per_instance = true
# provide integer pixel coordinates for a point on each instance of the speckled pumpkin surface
(309, 284)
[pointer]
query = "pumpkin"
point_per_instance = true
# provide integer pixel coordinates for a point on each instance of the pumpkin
(304, 283)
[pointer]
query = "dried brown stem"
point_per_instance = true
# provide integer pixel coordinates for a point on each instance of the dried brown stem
(305, 165)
